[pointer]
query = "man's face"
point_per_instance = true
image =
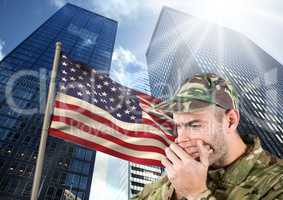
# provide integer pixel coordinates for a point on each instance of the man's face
(208, 126)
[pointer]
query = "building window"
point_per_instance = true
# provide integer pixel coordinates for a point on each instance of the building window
(50, 192)
(83, 183)
(27, 190)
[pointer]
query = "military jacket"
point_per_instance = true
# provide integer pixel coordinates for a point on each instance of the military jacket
(255, 175)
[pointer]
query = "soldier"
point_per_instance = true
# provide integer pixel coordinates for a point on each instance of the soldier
(209, 159)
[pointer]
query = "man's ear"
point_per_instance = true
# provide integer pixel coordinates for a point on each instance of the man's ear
(233, 116)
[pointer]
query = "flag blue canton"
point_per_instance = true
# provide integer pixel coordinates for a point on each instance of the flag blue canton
(81, 81)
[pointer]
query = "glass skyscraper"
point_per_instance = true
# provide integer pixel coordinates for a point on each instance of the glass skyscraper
(140, 175)
(141, 82)
(111, 178)
(183, 45)
(24, 74)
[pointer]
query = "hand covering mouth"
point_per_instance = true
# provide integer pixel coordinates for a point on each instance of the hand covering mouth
(193, 143)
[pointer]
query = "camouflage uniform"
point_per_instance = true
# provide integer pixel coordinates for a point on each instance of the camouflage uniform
(255, 175)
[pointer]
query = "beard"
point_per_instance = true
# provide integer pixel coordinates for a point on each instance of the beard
(214, 140)
(220, 149)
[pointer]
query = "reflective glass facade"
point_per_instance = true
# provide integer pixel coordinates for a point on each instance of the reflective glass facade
(141, 175)
(110, 174)
(24, 75)
(183, 45)
(141, 82)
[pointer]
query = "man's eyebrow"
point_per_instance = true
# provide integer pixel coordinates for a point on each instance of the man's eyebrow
(189, 122)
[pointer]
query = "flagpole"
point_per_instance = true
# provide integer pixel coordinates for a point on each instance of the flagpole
(46, 123)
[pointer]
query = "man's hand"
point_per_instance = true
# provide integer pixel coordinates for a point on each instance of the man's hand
(191, 147)
(187, 175)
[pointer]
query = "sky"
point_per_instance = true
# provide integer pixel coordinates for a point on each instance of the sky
(260, 20)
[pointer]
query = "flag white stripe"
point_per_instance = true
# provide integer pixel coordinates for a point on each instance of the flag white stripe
(106, 143)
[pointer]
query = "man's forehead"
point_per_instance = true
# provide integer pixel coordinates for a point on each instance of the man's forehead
(188, 117)
(195, 114)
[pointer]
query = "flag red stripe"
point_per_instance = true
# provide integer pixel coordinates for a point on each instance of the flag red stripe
(144, 102)
(151, 99)
(151, 123)
(164, 122)
(109, 123)
(98, 147)
(83, 127)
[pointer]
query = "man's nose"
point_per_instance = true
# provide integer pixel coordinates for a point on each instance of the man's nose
(183, 134)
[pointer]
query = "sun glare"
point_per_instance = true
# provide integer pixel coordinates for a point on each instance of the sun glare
(217, 10)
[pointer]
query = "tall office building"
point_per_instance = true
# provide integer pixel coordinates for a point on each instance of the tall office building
(183, 45)
(110, 178)
(24, 74)
(141, 82)
(141, 175)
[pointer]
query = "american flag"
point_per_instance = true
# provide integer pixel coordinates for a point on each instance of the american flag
(96, 112)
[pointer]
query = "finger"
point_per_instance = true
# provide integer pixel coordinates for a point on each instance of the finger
(192, 143)
(192, 150)
(168, 166)
(177, 140)
(182, 154)
(165, 162)
(208, 148)
(172, 156)
(188, 143)
(204, 154)
(195, 155)
(195, 149)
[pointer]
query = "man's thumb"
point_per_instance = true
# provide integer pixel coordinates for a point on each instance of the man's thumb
(204, 154)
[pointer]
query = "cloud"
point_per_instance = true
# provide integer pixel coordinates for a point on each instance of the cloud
(2, 44)
(114, 9)
(126, 69)
(122, 10)
(123, 56)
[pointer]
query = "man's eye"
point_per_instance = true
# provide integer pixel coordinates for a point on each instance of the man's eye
(195, 126)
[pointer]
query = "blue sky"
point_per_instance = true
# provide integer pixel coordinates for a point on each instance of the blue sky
(260, 20)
